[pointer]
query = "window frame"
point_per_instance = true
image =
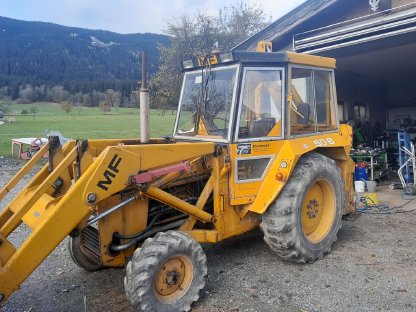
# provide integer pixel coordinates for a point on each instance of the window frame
(266, 169)
(232, 109)
(333, 93)
(240, 104)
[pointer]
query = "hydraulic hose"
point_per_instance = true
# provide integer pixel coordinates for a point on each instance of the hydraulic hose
(133, 242)
(149, 226)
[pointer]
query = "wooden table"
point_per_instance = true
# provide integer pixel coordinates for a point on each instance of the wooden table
(22, 142)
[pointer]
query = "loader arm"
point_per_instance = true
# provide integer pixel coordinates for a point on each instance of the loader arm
(65, 192)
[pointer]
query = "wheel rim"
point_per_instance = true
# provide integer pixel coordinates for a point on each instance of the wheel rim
(173, 279)
(318, 211)
(409, 190)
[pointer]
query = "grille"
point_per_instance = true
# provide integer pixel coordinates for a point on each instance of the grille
(90, 241)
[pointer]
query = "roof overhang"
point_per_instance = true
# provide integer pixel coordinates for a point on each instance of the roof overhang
(286, 23)
(355, 32)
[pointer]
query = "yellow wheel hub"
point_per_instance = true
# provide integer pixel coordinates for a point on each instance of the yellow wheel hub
(173, 279)
(318, 211)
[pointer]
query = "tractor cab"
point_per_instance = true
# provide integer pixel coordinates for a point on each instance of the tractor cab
(239, 97)
(254, 102)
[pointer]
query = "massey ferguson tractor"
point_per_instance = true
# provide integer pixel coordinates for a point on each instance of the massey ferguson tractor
(256, 143)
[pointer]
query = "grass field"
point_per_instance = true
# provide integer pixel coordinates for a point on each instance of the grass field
(83, 123)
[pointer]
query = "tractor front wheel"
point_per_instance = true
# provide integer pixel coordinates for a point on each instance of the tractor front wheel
(166, 273)
(303, 222)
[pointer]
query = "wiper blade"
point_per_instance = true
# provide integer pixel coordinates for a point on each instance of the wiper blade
(203, 97)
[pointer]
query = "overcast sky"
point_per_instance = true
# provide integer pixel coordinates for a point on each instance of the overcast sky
(125, 16)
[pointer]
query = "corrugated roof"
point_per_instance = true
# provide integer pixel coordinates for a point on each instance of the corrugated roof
(286, 23)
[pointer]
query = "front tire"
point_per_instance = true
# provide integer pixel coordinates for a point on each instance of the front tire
(166, 273)
(303, 222)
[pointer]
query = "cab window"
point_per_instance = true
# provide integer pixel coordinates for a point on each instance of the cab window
(205, 103)
(261, 103)
(325, 112)
(302, 105)
(312, 105)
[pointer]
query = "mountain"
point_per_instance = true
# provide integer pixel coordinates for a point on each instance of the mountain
(45, 53)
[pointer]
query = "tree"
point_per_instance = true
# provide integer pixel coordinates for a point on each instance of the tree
(87, 100)
(4, 106)
(4, 91)
(27, 94)
(76, 99)
(116, 99)
(105, 107)
(134, 99)
(33, 110)
(97, 97)
(196, 36)
(113, 98)
(59, 94)
(66, 107)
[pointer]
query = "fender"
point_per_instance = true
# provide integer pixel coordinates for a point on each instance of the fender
(338, 142)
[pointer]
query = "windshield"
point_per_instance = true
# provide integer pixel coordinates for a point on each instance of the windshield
(206, 100)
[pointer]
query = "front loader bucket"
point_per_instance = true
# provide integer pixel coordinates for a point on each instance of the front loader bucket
(64, 193)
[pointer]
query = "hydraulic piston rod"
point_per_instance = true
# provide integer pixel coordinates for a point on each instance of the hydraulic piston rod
(111, 210)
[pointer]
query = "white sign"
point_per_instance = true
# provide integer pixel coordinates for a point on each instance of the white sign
(374, 5)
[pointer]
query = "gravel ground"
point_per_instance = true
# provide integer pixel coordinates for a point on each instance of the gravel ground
(9, 164)
(372, 267)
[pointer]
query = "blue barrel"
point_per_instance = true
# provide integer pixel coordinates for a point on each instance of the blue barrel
(361, 173)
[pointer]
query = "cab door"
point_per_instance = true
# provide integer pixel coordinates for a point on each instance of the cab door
(258, 131)
(313, 102)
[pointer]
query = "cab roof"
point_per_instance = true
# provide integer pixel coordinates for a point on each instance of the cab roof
(284, 57)
(234, 57)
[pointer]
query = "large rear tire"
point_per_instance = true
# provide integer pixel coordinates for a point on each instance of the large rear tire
(166, 273)
(303, 222)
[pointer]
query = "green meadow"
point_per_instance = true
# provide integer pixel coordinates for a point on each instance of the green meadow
(79, 123)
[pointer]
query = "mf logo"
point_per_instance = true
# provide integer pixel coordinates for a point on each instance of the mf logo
(110, 173)
(374, 5)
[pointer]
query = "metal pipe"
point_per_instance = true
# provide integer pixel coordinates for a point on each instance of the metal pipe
(413, 162)
(144, 104)
(144, 70)
(399, 172)
(178, 204)
(111, 210)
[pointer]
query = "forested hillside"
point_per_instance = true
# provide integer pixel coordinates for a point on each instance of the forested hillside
(81, 60)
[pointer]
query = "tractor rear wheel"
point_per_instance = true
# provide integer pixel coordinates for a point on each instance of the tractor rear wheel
(303, 222)
(166, 273)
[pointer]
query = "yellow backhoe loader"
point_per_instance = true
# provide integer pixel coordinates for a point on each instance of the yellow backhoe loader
(256, 142)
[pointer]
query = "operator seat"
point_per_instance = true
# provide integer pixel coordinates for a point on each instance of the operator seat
(261, 127)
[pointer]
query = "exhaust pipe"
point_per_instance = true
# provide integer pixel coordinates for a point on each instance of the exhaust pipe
(144, 104)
